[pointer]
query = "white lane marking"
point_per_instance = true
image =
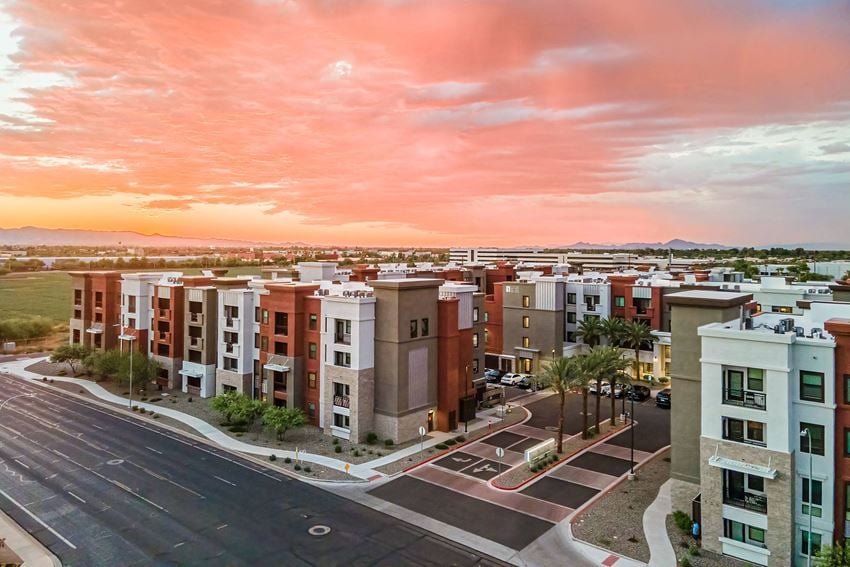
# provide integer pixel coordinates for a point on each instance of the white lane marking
(77, 497)
(224, 480)
(26, 466)
(221, 527)
(39, 520)
(179, 544)
(95, 426)
(154, 450)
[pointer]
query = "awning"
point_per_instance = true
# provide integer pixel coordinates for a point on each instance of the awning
(742, 467)
(276, 367)
(95, 329)
(191, 373)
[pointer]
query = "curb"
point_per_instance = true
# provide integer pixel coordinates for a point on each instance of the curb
(23, 544)
(561, 461)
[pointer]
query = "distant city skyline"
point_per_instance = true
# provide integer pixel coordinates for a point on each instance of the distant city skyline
(428, 123)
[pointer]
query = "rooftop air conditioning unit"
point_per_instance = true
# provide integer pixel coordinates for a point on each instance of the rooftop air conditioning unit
(800, 331)
(778, 329)
(748, 323)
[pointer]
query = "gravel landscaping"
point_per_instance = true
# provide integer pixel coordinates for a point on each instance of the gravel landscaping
(683, 545)
(615, 521)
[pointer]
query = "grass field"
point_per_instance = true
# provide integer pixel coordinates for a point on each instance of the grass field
(48, 294)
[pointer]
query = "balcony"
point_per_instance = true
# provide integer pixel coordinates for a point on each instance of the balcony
(164, 313)
(196, 318)
(742, 439)
(196, 342)
(282, 331)
(231, 348)
(164, 336)
(747, 501)
(342, 338)
(745, 398)
(98, 305)
(342, 401)
(231, 322)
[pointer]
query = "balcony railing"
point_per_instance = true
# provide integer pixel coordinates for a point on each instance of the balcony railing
(196, 318)
(342, 401)
(590, 307)
(164, 313)
(231, 322)
(98, 305)
(342, 338)
(747, 501)
(164, 336)
(741, 439)
(745, 398)
(282, 331)
(231, 348)
(196, 342)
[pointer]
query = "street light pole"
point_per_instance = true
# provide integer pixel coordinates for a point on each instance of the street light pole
(465, 412)
(633, 438)
(129, 338)
(807, 434)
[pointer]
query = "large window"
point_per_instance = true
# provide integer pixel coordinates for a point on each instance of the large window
(314, 321)
(342, 421)
(312, 350)
(571, 298)
(311, 380)
(741, 431)
(475, 340)
(846, 442)
(526, 322)
(804, 543)
(571, 317)
(811, 386)
(755, 379)
(847, 501)
(815, 488)
(526, 301)
(743, 533)
(525, 342)
(619, 301)
(342, 359)
(414, 328)
(815, 437)
(425, 327)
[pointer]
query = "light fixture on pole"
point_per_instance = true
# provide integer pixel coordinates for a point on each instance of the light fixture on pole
(129, 338)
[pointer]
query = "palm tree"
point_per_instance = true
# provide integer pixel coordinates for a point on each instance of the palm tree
(635, 335)
(562, 374)
(612, 329)
(611, 366)
(588, 365)
(590, 331)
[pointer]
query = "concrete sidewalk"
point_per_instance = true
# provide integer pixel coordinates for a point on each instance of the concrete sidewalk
(24, 545)
(363, 471)
(661, 551)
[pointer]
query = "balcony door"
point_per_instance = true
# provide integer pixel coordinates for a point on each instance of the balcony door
(735, 385)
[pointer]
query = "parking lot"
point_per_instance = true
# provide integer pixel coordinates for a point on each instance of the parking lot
(453, 489)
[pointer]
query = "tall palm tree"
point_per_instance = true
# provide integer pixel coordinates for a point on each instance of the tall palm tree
(612, 329)
(562, 374)
(585, 374)
(635, 335)
(590, 331)
(611, 366)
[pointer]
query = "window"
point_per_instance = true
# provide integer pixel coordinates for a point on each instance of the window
(816, 494)
(525, 342)
(571, 337)
(312, 350)
(526, 322)
(341, 421)
(486, 336)
(474, 314)
(847, 500)
(815, 436)
(487, 319)
(755, 534)
(475, 366)
(755, 431)
(281, 348)
(780, 309)
(257, 340)
(741, 431)
(265, 316)
(526, 301)
(811, 386)
(619, 301)
(264, 343)
(231, 363)
(755, 379)
(414, 329)
(474, 340)
(131, 304)
(314, 321)
(743, 533)
(846, 442)
(847, 388)
(311, 410)
(281, 324)
(342, 359)
(526, 365)
(804, 543)
(256, 314)
(424, 327)
(571, 317)
(311, 380)
(571, 298)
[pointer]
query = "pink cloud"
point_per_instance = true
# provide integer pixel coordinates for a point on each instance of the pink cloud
(432, 115)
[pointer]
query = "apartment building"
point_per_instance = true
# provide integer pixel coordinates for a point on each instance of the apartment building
(95, 309)
(588, 296)
(493, 255)
(533, 322)
(764, 381)
(200, 332)
(235, 338)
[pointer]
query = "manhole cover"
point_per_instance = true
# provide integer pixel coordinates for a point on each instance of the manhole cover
(319, 530)
(115, 462)
(551, 428)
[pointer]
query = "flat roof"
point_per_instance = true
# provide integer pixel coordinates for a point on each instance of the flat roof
(708, 298)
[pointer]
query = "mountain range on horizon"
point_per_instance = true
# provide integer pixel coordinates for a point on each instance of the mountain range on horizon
(32, 236)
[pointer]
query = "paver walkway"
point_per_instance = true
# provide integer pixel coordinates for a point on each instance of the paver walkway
(362, 471)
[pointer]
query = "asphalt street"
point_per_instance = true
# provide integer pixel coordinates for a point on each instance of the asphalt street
(100, 488)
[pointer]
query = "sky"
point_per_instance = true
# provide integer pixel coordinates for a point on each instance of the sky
(429, 122)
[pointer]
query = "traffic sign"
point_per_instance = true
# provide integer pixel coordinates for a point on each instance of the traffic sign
(422, 430)
(500, 452)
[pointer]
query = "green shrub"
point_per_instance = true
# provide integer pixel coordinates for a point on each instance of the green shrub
(389, 443)
(450, 442)
(240, 434)
(335, 441)
(156, 399)
(460, 438)
(272, 457)
(189, 399)
(307, 469)
(533, 468)
(441, 446)
(682, 521)
(287, 460)
(555, 458)
(693, 550)
(44, 378)
(297, 467)
(143, 399)
(356, 453)
(61, 373)
(156, 416)
(142, 410)
(371, 438)
(685, 562)
(337, 449)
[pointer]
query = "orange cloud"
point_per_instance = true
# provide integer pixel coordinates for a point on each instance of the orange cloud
(430, 122)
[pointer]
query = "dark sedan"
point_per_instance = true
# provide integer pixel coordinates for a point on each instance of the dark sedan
(662, 398)
(638, 393)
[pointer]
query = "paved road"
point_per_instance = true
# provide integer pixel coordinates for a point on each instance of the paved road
(98, 488)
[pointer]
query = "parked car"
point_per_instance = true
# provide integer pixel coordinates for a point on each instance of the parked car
(511, 379)
(524, 383)
(638, 393)
(492, 376)
(592, 388)
(662, 398)
(619, 390)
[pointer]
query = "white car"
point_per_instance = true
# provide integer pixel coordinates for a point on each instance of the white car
(511, 379)
(592, 388)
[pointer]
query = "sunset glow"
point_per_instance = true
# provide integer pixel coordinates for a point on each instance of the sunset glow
(485, 122)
